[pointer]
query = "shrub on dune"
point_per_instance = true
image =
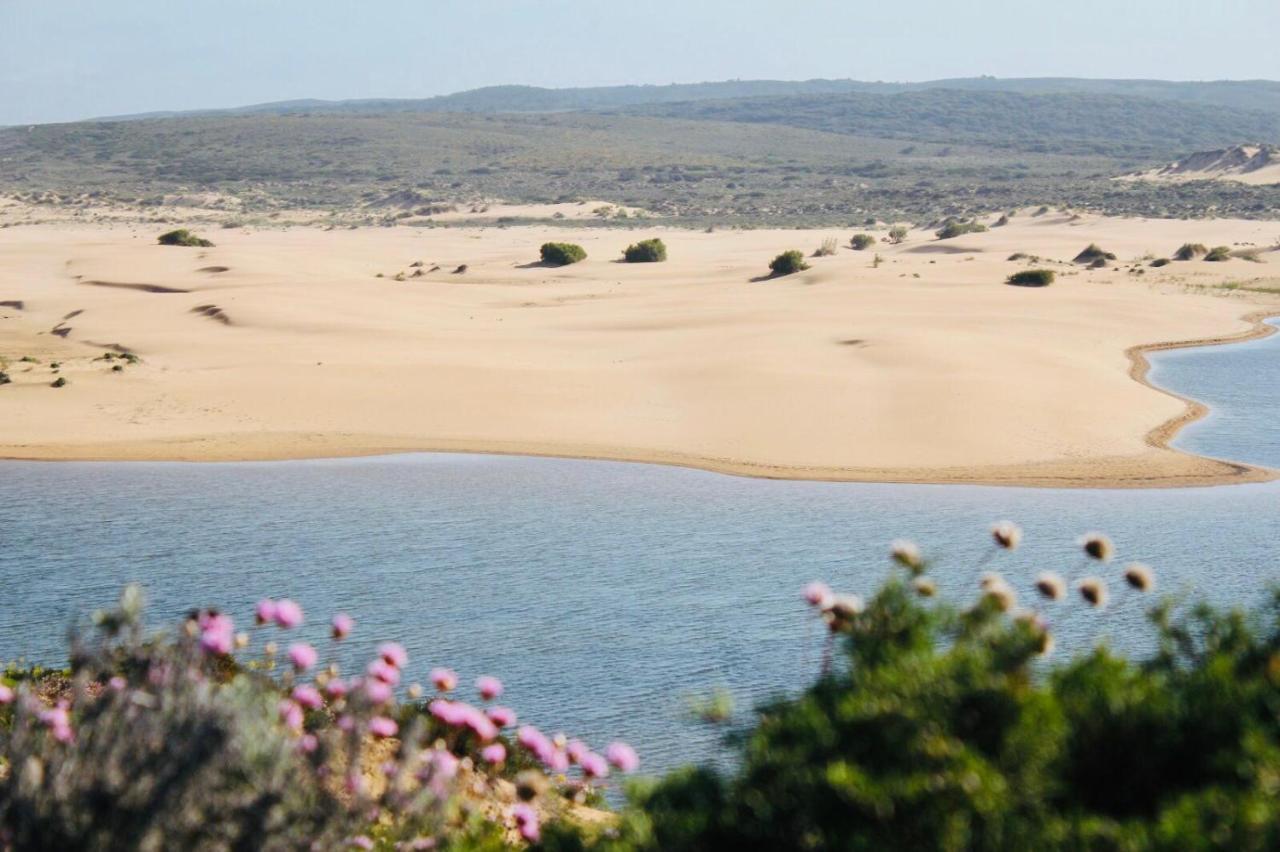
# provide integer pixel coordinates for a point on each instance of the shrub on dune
(1160, 261)
(183, 237)
(646, 251)
(1031, 278)
(862, 242)
(1092, 254)
(1190, 251)
(562, 254)
(827, 248)
(953, 228)
(897, 234)
(788, 262)
(1218, 254)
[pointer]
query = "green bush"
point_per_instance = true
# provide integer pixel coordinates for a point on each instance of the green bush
(1190, 251)
(645, 251)
(1031, 278)
(59, 382)
(897, 234)
(562, 254)
(955, 228)
(183, 237)
(1092, 254)
(1218, 254)
(862, 242)
(943, 729)
(788, 262)
(4, 378)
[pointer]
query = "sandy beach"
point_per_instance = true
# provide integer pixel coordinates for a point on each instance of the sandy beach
(286, 343)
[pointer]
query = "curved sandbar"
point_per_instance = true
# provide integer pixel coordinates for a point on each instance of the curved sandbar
(923, 368)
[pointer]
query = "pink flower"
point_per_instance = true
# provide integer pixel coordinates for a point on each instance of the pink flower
(594, 766)
(361, 842)
(381, 670)
(288, 614)
(576, 750)
(444, 679)
(443, 764)
(817, 594)
(6, 694)
(308, 696)
(555, 759)
(478, 722)
(393, 653)
(291, 715)
(622, 756)
(217, 633)
(381, 726)
(449, 712)
(308, 743)
(302, 655)
(342, 625)
(526, 821)
(63, 733)
(490, 687)
(532, 739)
(494, 754)
(377, 691)
(503, 717)
(117, 684)
(265, 611)
(346, 723)
(336, 688)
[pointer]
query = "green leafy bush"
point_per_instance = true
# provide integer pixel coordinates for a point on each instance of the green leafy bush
(645, 251)
(1218, 254)
(1031, 278)
(954, 228)
(897, 234)
(59, 382)
(862, 242)
(183, 237)
(1190, 251)
(942, 728)
(562, 254)
(788, 262)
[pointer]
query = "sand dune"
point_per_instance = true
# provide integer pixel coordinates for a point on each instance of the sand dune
(1257, 165)
(925, 368)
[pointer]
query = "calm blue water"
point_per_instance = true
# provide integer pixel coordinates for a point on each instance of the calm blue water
(605, 594)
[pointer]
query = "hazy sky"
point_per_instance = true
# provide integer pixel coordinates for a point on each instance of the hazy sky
(68, 59)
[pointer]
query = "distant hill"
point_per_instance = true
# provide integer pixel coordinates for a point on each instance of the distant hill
(1075, 123)
(1255, 95)
(1258, 165)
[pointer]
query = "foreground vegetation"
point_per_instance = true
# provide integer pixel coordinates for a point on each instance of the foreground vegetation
(929, 727)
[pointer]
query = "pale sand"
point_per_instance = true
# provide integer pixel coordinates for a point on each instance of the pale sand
(843, 372)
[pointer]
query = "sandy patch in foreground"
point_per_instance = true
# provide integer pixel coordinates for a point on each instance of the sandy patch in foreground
(284, 344)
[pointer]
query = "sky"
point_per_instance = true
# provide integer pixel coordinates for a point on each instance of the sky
(62, 60)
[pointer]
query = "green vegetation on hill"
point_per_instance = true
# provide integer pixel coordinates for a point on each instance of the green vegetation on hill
(955, 228)
(1032, 278)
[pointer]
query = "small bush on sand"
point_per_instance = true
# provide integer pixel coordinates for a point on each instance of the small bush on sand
(827, 248)
(646, 251)
(1032, 278)
(562, 254)
(183, 237)
(897, 234)
(1002, 221)
(1159, 262)
(59, 382)
(1190, 251)
(1218, 254)
(788, 262)
(4, 378)
(1093, 253)
(862, 242)
(955, 228)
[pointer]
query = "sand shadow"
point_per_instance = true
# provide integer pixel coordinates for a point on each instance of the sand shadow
(214, 269)
(16, 304)
(145, 288)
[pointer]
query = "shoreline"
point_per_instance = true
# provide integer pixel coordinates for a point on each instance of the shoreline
(1126, 472)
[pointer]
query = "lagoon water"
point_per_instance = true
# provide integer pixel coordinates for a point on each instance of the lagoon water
(605, 594)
